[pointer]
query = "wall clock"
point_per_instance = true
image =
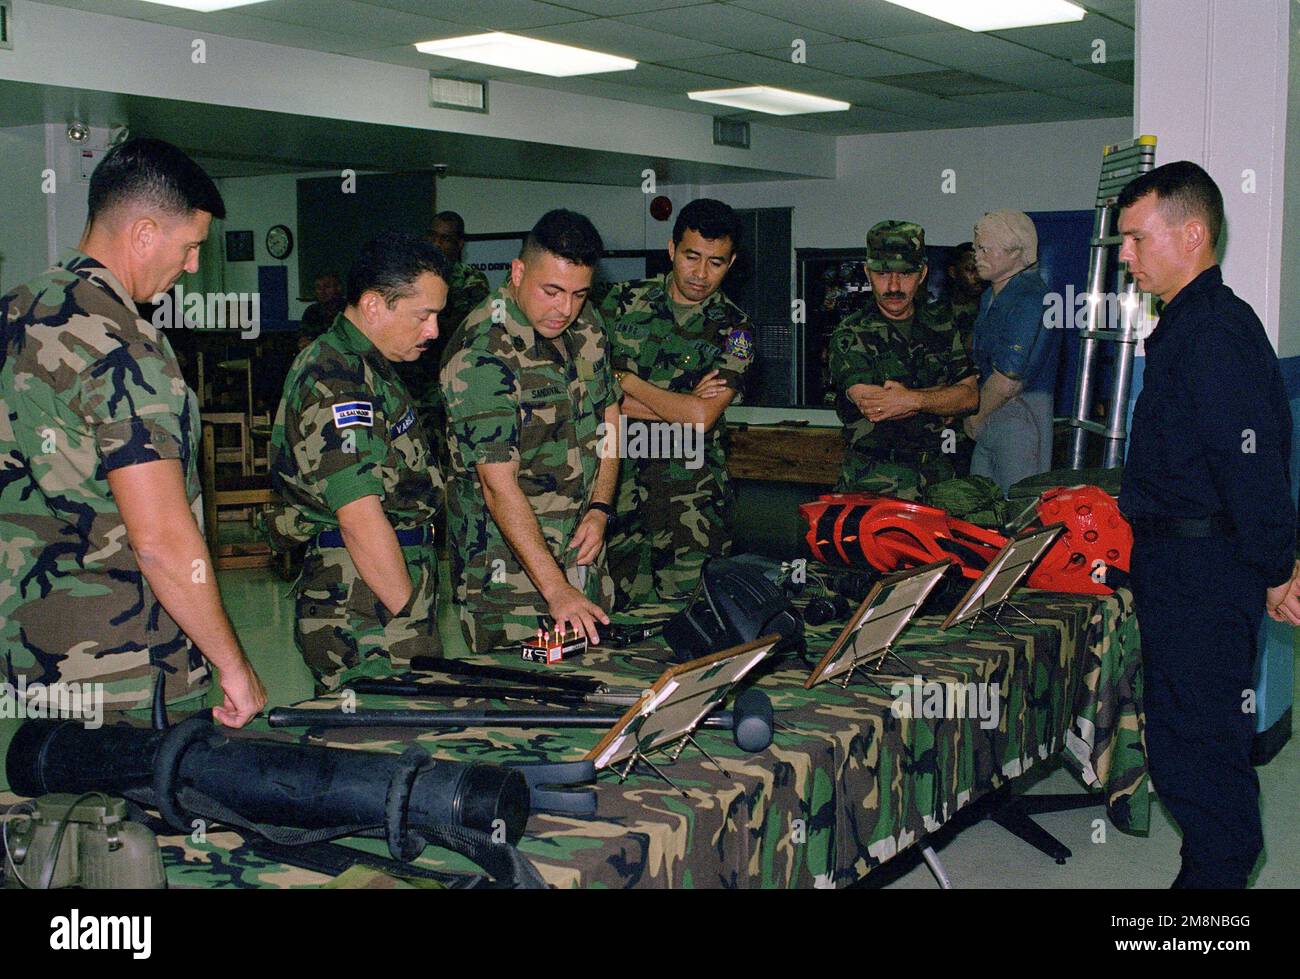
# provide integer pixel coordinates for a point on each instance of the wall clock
(279, 242)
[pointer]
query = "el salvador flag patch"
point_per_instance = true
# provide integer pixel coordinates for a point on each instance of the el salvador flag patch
(352, 413)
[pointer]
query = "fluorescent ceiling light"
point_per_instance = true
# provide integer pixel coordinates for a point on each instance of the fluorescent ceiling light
(774, 101)
(996, 15)
(205, 6)
(525, 54)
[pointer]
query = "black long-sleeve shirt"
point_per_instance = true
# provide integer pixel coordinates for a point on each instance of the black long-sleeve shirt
(1212, 427)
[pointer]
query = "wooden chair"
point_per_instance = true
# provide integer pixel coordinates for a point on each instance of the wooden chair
(246, 491)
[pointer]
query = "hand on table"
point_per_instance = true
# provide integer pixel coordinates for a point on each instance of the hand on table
(569, 606)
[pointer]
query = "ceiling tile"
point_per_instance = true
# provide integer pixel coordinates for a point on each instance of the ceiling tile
(351, 17)
(958, 49)
(1121, 10)
(617, 8)
(1027, 103)
(491, 15)
(867, 93)
(677, 80)
(753, 69)
(859, 20)
(856, 60)
(237, 23)
(1076, 41)
(629, 40)
(1053, 73)
(741, 29)
(1103, 95)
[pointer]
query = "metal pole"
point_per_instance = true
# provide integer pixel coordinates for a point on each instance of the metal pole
(1088, 342)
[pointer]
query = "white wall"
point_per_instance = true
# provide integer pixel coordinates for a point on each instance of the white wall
(23, 245)
(1289, 312)
(488, 206)
(257, 204)
(496, 206)
(1227, 110)
(1042, 167)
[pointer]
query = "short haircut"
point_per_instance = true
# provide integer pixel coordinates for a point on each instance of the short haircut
(154, 174)
(567, 235)
(452, 218)
(711, 219)
(390, 263)
(959, 252)
(1184, 191)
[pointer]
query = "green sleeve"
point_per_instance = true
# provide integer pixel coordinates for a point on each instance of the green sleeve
(134, 398)
(341, 444)
(959, 365)
(850, 363)
(482, 407)
(738, 354)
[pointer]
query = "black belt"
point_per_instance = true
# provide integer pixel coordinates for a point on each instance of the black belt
(405, 538)
(903, 455)
(1215, 525)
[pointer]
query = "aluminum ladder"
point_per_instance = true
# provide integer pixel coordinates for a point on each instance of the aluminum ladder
(1120, 163)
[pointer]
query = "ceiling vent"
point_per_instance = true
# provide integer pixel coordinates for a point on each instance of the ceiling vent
(946, 84)
(730, 132)
(464, 94)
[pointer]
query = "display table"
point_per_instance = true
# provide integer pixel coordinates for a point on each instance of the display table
(844, 787)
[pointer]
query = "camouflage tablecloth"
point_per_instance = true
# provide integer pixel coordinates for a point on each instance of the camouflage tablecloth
(846, 784)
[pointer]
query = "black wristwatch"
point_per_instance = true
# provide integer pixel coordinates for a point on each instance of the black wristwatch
(604, 508)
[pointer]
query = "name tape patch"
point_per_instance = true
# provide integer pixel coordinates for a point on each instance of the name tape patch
(352, 413)
(404, 425)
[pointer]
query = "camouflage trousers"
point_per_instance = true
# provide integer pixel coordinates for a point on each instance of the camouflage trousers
(861, 473)
(510, 610)
(344, 631)
(664, 533)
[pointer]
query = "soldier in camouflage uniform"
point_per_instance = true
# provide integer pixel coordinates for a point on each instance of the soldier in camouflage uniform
(466, 288)
(531, 401)
(963, 290)
(358, 481)
(682, 349)
(106, 576)
(901, 373)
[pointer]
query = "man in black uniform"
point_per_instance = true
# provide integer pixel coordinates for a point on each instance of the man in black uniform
(1206, 488)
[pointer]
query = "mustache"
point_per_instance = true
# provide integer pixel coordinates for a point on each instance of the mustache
(893, 295)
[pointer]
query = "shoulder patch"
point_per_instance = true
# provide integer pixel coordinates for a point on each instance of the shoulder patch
(740, 344)
(351, 413)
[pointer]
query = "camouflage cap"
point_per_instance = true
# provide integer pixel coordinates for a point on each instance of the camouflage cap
(896, 246)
